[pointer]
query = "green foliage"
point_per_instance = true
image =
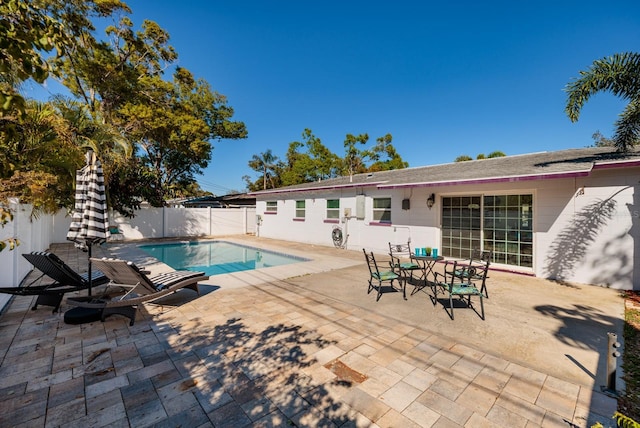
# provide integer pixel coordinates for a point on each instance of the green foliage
(266, 164)
(625, 421)
(26, 32)
(319, 163)
(5, 217)
(494, 154)
(384, 147)
(353, 157)
(40, 158)
(600, 140)
(620, 75)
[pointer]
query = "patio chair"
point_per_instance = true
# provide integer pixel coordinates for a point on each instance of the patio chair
(401, 262)
(65, 280)
(129, 286)
(478, 269)
(454, 283)
(380, 276)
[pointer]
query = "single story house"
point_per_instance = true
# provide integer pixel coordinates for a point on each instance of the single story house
(570, 215)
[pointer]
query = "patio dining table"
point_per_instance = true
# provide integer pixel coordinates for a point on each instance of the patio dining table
(427, 276)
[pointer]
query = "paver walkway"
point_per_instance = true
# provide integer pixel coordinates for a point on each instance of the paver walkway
(312, 350)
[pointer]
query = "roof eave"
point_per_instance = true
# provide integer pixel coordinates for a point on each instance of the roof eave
(316, 188)
(507, 179)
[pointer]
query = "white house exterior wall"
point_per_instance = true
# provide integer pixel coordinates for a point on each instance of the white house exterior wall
(586, 229)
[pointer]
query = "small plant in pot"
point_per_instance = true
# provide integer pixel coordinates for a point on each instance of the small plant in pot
(427, 251)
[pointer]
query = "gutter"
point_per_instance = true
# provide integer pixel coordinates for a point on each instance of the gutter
(312, 189)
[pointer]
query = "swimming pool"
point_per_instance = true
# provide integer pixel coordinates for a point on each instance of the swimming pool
(216, 257)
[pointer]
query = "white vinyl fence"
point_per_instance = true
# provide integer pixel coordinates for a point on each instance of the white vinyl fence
(38, 234)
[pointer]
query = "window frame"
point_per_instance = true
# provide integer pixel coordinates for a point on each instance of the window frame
(301, 211)
(375, 210)
(271, 207)
(332, 213)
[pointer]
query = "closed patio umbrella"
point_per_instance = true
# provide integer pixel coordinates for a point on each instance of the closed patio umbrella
(90, 220)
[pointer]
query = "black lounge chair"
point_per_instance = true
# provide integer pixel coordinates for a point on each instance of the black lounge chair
(129, 286)
(66, 280)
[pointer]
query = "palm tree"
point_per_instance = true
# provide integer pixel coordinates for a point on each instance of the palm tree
(620, 75)
(265, 163)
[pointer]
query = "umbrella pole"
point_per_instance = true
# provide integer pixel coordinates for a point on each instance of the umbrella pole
(90, 276)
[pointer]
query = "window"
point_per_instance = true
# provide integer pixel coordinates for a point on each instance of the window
(333, 208)
(300, 209)
(382, 210)
(272, 207)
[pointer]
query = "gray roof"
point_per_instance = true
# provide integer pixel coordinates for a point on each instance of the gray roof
(534, 166)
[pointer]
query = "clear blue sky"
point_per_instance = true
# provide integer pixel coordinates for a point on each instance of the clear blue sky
(465, 77)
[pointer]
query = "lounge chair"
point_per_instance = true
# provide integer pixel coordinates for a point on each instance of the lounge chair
(129, 286)
(65, 279)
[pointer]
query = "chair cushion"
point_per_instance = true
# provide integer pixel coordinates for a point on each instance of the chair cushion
(464, 289)
(384, 276)
(409, 266)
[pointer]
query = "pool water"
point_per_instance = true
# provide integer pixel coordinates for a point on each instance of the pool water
(216, 257)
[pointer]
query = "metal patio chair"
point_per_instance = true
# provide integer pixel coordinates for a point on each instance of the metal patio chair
(477, 269)
(402, 264)
(380, 277)
(455, 283)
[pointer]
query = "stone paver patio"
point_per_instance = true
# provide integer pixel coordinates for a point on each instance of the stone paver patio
(306, 346)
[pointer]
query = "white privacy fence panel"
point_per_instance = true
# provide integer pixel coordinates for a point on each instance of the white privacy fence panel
(186, 222)
(34, 234)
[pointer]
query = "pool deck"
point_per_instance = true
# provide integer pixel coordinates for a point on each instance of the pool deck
(305, 345)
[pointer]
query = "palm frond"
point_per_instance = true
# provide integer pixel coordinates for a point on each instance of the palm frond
(628, 127)
(618, 74)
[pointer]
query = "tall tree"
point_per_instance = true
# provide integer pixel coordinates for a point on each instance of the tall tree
(384, 147)
(354, 158)
(266, 164)
(170, 123)
(620, 75)
(318, 163)
(173, 124)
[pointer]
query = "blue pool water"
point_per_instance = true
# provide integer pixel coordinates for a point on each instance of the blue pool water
(216, 257)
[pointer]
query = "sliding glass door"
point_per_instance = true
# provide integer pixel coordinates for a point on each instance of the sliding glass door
(499, 223)
(461, 220)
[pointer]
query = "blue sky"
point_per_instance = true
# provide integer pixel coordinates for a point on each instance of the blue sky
(464, 77)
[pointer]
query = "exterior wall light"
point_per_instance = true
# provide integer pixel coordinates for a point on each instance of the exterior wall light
(431, 200)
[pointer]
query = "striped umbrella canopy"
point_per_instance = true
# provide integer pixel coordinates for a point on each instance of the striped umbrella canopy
(90, 220)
